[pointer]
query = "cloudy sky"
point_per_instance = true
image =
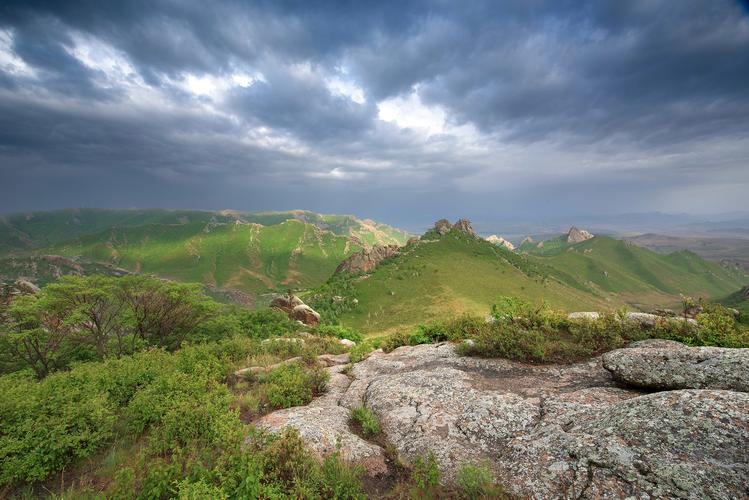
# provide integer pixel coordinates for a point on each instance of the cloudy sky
(403, 111)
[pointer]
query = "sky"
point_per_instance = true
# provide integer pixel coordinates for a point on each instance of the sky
(401, 111)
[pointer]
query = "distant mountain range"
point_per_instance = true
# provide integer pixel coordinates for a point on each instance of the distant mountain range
(251, 252)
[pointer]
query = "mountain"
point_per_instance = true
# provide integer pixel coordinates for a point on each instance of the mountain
(33, 230)
(732, 250)
(249, 252)
(451, 271)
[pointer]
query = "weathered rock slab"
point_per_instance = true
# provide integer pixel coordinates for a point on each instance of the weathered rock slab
(676, 366)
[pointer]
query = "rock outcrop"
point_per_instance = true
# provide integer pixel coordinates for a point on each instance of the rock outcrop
(645, 320)
(324, 427)
(296, 309)
(305, 314)
(498, 240)
(286, 303)
(367, 259)
(546, 431)
(575, 235)
(676, 366)
(443, 227)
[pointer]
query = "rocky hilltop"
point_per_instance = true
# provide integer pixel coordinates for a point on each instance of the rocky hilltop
(588, 430)
(575, 235)
(443, 226)
(498, 240)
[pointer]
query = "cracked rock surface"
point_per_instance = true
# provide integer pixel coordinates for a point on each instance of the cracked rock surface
(546, 431)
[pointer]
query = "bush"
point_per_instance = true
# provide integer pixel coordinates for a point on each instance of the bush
(370, 426)
(47, 424)
(340, 332)
(292, 385)
(425, 473)
(474, 481)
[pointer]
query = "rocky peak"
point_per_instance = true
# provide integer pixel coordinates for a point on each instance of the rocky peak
(527, 239)
(367, 259)
(443, 226)
(576, 235)
(498, 240)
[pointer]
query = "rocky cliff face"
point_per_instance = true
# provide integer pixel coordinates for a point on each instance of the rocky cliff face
(367, 259)
(576, 235)
(498, 240)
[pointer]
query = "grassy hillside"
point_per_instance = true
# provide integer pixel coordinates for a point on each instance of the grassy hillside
(22, 232)
(639, 276)
(247, 257)
(456, 273)
(451, 275)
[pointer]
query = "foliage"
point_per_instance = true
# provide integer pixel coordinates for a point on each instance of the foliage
(475, 481)
(338, 331)
(367, 420)
(292, 385)
(425, 474)
(82, 319)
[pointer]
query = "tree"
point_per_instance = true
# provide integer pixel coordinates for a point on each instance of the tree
(34, 335)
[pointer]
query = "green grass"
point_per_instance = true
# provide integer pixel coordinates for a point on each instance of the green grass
(455, 274)
(450, 276)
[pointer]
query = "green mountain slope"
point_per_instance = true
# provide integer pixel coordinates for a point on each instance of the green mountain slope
(455, 273)
(23, 232)
(238, 255)
(636, 275)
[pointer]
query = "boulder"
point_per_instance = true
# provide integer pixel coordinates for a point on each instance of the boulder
(286, 303)
(584, 315)
(575, 235)
(672, 365)
(367, 259)
(498, 240)
(27, 287)
(305, 314)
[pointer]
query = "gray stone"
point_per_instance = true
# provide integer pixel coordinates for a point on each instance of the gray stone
(675, 366)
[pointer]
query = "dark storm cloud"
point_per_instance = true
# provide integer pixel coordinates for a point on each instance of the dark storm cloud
(273, 104)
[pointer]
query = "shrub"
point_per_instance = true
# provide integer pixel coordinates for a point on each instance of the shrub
(425, 473)
(340, 332)
(370, 426)
(475, 481)
(341, 481)
(291, 385)
(360, 351)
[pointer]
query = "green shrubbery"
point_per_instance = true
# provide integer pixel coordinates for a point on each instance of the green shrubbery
(520, 331)
(294, 385)
(366, 420)
(85, 319)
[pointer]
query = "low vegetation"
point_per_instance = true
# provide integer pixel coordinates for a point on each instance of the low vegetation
(518, 330)
(366, 421)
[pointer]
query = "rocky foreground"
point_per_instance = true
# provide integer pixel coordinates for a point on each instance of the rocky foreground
(589, 430)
